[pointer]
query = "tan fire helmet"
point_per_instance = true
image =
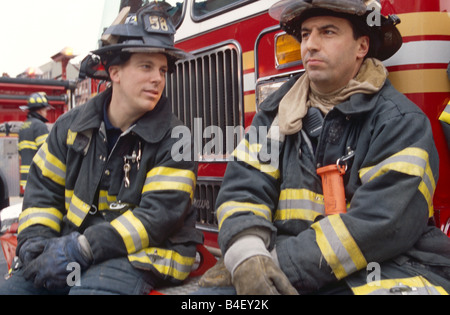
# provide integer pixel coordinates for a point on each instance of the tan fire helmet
(385, 37)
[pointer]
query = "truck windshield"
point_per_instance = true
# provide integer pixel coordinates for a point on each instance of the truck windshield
(208, 8)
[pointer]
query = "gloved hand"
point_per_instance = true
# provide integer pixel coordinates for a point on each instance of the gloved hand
(217, 276)
(32, 248)
(259, 275)
(49, 270)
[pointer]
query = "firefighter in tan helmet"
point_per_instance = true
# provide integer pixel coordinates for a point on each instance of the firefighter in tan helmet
(107, 208)
(278, 230)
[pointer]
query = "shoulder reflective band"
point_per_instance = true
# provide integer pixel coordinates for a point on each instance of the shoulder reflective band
(50, 165)
(410, 161)
(248, 153)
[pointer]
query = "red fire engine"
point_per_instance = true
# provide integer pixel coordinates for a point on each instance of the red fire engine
(14, 92)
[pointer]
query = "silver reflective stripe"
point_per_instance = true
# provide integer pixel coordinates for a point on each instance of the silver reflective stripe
(50, 217)
(404, 290)
(394, 159)
(133, 233)
(38, 215)
(229, 208)
(168, 263)
(49, 166)
(301, 204)
(340, 251)
(79, 213)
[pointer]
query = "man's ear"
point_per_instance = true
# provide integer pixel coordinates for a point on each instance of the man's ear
(364, 46)
(114, 73)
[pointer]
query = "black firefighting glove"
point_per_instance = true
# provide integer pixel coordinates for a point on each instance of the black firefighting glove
(31, 249)
(50, 269)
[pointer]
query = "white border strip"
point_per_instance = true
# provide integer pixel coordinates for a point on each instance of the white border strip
(421, 52)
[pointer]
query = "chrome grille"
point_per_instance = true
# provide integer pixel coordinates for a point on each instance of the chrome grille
(209, 87)
(204, 202)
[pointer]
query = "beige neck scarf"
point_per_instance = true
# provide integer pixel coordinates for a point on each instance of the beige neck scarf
(295, 104)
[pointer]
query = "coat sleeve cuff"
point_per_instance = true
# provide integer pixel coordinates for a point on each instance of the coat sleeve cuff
(245, 247)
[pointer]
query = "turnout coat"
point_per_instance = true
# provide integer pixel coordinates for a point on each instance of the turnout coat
(143, 213)
(32, 135)
(386, 241)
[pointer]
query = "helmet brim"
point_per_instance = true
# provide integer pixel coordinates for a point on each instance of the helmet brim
(34, 107)
(175, 53)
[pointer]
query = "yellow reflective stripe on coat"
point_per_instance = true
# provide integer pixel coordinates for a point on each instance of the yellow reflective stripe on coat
(50, 217)
(71, 136)
(68, 194)
(248, 153)
(132, 231)
(50, 165)
(105, 200)
(338, 246)
(167, 262)
(409, 286)
(24, 169)
(41, 139)
(78, 209)
(410, 161)
(299, 204)
(229, 208)
(27, 145)
(167, 178)
(445, 116)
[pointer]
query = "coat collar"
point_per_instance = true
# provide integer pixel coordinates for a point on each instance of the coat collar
(362, 103)
(151, 127)
(357, 104)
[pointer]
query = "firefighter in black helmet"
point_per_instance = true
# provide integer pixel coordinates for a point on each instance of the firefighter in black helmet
(33, 132)
(107, 198)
